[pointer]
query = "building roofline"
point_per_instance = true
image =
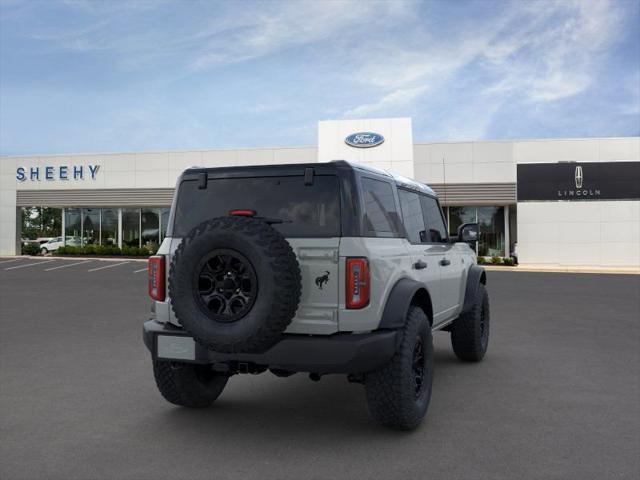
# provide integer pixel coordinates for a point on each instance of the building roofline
(145, 152)
(519, 140)
(315, 147)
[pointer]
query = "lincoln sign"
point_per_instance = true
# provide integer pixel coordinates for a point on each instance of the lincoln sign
(576, 181)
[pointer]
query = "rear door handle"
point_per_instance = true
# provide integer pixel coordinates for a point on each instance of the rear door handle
(444, 262)
(419, 265)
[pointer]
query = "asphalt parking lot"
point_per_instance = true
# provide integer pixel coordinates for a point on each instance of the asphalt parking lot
(558, 395)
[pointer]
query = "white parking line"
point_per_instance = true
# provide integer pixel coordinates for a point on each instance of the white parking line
(65, 266)
(9, 261)
(141, 270)
(30, 264)
(108, 266)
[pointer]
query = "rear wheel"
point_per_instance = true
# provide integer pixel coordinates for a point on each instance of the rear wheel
(187, 384)
(398, 395)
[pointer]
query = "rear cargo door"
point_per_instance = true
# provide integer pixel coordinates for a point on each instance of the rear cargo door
(318, 309)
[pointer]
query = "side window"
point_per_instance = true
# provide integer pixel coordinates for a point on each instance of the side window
(436, 231)
(380, 214)
(412, 216)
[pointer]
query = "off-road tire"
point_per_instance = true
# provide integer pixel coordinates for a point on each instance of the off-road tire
(187, 384)
(391, 393)
(470, 332)
(277, 275)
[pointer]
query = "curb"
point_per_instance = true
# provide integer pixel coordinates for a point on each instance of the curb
(65, 258)
(559, 269)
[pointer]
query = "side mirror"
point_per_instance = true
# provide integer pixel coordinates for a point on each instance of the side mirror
(468, 232)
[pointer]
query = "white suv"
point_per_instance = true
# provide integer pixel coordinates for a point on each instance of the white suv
(55, 243)
(319, 268)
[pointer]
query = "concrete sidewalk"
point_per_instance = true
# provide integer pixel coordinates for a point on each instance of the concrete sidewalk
(563, 269)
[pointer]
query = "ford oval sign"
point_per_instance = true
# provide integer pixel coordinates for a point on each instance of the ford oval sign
(364, 139)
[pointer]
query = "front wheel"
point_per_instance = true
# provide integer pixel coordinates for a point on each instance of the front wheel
(470, 332)
(187, 384)
(44, 251)
(398, 395)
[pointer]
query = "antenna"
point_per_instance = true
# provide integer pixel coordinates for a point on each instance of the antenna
(444, 181)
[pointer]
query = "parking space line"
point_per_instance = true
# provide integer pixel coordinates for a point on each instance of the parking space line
(65, 266)
(108, 266)
(9, 261)
(141, 270)
(30, 264)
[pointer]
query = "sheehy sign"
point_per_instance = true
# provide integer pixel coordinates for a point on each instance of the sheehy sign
(59, 172)
(576, 181)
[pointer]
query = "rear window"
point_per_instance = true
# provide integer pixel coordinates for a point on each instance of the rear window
(306, 210)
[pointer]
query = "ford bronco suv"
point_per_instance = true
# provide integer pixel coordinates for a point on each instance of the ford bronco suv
(320, 268)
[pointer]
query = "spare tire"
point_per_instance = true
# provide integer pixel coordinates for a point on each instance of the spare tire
(235, 284)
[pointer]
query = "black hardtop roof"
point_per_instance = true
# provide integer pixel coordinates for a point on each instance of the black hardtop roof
(319, 168)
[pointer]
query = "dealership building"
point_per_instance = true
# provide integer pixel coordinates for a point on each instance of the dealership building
(560, 202)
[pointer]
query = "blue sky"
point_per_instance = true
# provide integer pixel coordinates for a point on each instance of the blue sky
(104, 76)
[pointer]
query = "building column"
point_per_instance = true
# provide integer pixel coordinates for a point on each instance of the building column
(507, 240)
(64, 227)
(18, 240)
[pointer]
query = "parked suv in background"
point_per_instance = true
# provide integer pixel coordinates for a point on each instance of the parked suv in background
(319, 268)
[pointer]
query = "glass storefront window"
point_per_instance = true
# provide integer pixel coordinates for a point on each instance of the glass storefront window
(41, 222)
(164, 221)
(109, 227)
(150, 228)
(460, 215)
(131, 227)
(491, 222)
(72, 226)
(90, 226)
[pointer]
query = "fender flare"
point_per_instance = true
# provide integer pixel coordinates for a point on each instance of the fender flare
(475, 277)
(400, 299)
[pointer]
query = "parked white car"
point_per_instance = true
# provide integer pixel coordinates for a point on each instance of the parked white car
(57, 242)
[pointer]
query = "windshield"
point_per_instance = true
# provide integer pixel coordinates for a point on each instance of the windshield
(306, 210)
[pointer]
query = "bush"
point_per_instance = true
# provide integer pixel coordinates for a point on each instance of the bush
(509, 261)
(31, 249)
(68, 250)
(496, 260)
(481, 261)
(103, 250)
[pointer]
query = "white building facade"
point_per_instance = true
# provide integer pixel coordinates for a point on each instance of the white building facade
(561, 202)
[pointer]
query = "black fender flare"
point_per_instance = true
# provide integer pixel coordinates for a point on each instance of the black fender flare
(475, 277)
(403, 294)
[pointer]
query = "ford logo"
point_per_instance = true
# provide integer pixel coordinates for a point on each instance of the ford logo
(364, 139)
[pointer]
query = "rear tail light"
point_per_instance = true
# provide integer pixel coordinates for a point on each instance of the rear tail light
(242, 212)
(358, 286)
(156, 277)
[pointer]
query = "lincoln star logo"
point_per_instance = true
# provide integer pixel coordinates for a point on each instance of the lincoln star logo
(364, 139)
(322, 280)
(579, 177)
(580, 191)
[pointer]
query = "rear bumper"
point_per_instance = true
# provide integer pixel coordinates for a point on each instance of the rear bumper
(339, 353)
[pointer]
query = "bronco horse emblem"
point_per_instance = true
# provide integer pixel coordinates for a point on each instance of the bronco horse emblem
(322, 279)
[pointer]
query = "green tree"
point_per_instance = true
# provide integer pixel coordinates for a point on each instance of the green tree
(41, 222)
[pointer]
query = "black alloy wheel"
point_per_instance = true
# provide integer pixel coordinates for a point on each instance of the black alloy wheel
(225, 285)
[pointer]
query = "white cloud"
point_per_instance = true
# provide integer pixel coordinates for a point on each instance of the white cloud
(396, 99)
(288, 25)
(538, 51)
